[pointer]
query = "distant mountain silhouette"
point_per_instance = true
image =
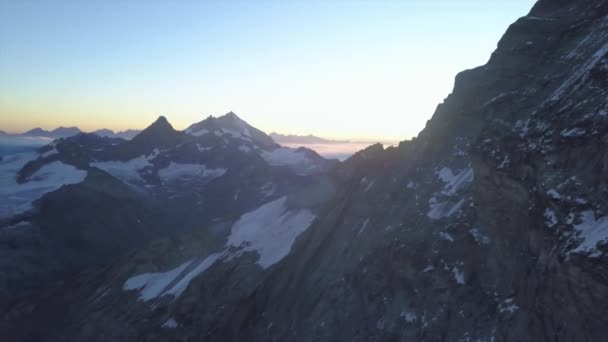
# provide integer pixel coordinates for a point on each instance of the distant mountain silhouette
(126, 134)
(60, 132)
(65, 132)
(303, 139)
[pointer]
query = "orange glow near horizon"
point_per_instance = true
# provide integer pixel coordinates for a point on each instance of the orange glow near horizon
(360, 70)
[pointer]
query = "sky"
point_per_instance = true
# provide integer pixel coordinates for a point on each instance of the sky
(367, 70)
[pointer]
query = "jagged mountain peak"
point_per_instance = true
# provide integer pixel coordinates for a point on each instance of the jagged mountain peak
(231, 115)
(160, 125)
(226, 119)
(160, 132)
(162, 121)
(159, 135)
(231, 119)
(233, 125)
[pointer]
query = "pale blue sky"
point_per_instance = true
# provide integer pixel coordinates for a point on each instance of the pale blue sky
(342, 69)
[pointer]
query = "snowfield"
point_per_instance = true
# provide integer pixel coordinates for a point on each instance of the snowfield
(153, 285)
(439, 209)
(196, 133)
(17, 198)
(177, 171)
(127, 171)
(297, 160)
(270, 231)
(173, 282)
(285, 156)
(592, 231)
(455, 182)
(439, 205)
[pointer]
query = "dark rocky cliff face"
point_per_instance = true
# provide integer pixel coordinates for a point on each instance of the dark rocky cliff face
(490, 226)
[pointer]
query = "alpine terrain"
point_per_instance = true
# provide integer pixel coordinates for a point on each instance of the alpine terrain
(491, 225)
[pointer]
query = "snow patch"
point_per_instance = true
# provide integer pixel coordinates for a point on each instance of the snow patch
(270, 230)
(439, 209)
(582, 71)
(152, 285)
(173, 282)
(177, 171)
(504, 163)
(446, 236)
(171, 323)
(363, 226)
(550, 218)
(479, 237)
(194, 269)
(429, 268)
(203, 148)
(17, 198)
(408, 316)
(508, 306)
(592, 231)
(284, 156)
(554, 194)
(458, 275)
(234, 134)
(572, 132)
(127, 171)
(369, 185)
(454, 182)
(196, 133)
(494, 99)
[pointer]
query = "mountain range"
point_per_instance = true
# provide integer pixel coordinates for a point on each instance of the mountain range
(303, 139)
(490, 225)
(122, 193)
(64, 132)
